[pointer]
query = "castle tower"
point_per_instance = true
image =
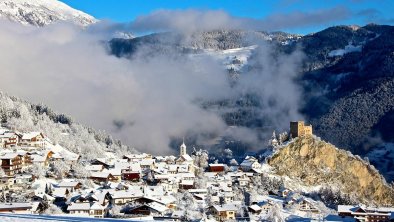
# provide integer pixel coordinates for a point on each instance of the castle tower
(299, 128)
(182, 148)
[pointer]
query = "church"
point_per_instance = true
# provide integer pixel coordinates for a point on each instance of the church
(184, 158)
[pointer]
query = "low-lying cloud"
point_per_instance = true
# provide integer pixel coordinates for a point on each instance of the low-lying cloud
(151, 99)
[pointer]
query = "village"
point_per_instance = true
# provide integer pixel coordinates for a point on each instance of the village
(39, 177)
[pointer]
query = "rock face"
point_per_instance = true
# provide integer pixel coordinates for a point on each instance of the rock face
(316, 162)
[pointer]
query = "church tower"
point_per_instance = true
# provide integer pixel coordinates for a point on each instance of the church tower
(182, 148)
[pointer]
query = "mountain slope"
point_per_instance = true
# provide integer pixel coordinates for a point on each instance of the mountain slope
(195, 42)
(316, 162)
(42, 12)
(349, 94)
(23, 116)
(347, 79)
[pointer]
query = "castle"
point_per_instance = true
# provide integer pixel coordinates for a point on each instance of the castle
(298, 129)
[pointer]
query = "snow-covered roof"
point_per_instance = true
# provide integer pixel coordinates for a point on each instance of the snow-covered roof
(187, 182)
(94, 167)
(225, 207)
(249, 162)
(68, 184)
(100, 174)
(147, 162)
(336, 218)
(8, 156)
(7, 135)
(6, 206)
(38, 158)
(97, 206)
(115, 171)
(255, 207)
(186, 157)
(79, 206)
(162, 176)
(172, 167)
(154, 191)
(121, 194)
(216, 165)
(59, 192)
(185, 175)
(30, 135)
(168, 199)
(35, 206)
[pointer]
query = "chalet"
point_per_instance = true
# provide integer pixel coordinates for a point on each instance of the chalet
(26, 160)
(125, 196)
(70, 185)
(308, 206)
(88, 209)
(147, 164)
(11, 163)
(216, 167)
(255, 209)
(99, 177)
(41, 159)
(228, 197)
(250, 163)
(223, 212)
(81, 209)
(137, 157)
(153, 209)
(98, 211)
(117, 173)
(32, 139)
(265, 206)
(60, 194)
(361, 213)
(23, 178)
(130, 175)
(94, 168)
(6, 182)
(43, 198)
(8, 139)
(243, 180)
(102, 161)
(186, 184)
(18, 208)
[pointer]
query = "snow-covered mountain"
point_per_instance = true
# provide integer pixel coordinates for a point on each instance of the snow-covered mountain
(42, 12)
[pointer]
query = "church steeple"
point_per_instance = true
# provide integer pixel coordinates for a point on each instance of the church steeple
(182, 148)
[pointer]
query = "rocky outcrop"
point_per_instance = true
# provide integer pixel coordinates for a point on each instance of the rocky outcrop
(316, 162)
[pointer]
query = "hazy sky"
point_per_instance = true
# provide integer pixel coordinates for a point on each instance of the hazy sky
(352, 11)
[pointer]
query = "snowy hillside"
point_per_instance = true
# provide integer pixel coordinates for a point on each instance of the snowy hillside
(42, 12)
(22, 116)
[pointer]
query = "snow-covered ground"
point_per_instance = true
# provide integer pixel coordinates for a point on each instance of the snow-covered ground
(230, 58)
(46, 218)
(42, 12)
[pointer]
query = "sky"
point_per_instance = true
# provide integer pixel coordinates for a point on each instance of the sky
(359, 12)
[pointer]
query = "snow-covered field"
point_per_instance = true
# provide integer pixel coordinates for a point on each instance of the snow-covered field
(230, 58)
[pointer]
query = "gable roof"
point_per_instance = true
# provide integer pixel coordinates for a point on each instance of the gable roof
(68, 184)
(30, 135)
(225, 207)
(79, 206)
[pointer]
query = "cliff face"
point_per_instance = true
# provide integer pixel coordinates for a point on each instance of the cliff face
(319, 163)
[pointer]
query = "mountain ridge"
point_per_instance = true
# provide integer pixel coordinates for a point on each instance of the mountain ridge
(42, 12)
